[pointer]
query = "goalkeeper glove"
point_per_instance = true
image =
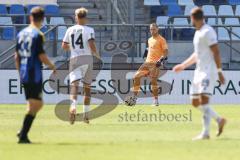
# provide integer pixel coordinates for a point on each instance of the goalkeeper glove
(161, 61)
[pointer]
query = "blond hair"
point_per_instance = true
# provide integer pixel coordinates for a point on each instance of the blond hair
(81, 13)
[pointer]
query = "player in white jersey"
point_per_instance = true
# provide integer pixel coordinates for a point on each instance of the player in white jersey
(209, 69)
(80, 40)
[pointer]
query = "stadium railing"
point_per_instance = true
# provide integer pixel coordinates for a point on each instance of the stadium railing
(228, 40)
(8, 55)
(109, 44)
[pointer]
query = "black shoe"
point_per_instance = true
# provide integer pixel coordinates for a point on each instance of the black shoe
(24, 141)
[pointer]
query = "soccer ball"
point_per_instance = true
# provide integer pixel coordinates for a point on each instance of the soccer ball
(130, 101)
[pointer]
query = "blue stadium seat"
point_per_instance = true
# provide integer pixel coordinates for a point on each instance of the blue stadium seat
(237, 12)
(214, 21)
(180, 22)
(234, 2)
(209, 10)
(223, 34)
(3, 9)
(225, 10)
(52, 10)
(29, 8)
(151, 2)
(188, 9)
(186, 2)
(57, 20)
(235, 30)
(6, 21)
(231, 21)
(168, 2)
(8, 33)
(157, 11)
(182, 31)
(219, 2)
(17, 9)
(174, 10)
(221, 31)
(61, 30)
(162, 20)
(201, 2)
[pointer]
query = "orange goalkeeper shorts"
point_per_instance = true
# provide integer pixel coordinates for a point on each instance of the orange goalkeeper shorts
(149, 70)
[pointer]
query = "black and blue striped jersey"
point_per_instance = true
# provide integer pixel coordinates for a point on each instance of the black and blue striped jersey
(30, 43)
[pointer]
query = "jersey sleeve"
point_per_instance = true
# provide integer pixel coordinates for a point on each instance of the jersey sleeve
(66, 38)
(211, 37)
(40, 44)
(91, 34)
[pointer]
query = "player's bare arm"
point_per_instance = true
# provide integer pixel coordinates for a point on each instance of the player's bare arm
(44, 59)
(17, 59)
(165, 53)
(217, 58)
(187, 63)
(66, 46)
(93, 48)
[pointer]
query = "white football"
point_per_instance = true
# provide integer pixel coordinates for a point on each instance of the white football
(130, 101)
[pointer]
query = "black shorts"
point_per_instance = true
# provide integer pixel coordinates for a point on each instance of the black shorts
(33, 91)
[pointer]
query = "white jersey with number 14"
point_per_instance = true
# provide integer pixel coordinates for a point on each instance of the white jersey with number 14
(77, 37)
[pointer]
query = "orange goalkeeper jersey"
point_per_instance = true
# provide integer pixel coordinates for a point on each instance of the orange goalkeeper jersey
(156, 48)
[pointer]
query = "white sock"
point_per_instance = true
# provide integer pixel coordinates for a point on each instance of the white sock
(214, 114)
(86, 108)
(206, 119)
(74, 104)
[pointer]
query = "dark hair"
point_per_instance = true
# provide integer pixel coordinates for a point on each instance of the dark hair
(37, 13)
(197, 13)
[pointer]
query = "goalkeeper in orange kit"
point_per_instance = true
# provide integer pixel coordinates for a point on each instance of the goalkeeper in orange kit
(157, 55)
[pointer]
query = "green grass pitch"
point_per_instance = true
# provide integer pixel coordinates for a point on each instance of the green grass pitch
(109, 139)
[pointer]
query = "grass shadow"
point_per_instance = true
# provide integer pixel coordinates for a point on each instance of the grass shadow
(77, 144)
(228, 139)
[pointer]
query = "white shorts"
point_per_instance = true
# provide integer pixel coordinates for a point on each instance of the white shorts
(203, 83)
(80, 72)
